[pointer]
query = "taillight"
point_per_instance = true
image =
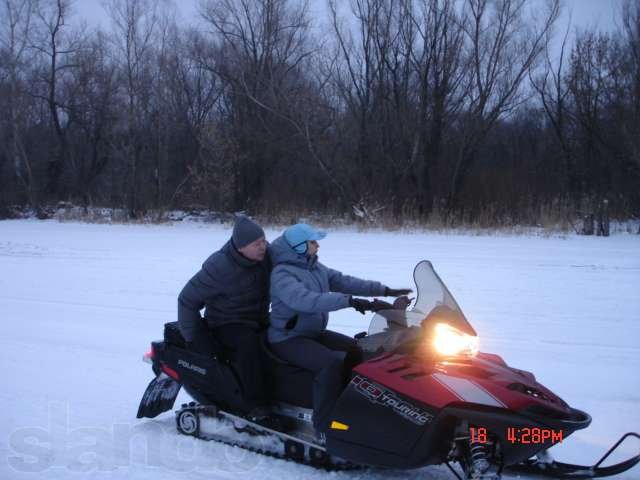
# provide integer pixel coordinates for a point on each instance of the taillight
(170, 371)
(149, 356)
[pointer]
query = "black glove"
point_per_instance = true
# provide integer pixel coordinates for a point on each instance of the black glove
(377, 305)
(396, 292)
(360, 304)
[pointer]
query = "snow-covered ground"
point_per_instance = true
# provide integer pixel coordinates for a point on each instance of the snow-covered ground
(79, 304)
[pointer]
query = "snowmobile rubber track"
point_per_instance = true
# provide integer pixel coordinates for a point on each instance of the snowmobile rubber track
(304, 460)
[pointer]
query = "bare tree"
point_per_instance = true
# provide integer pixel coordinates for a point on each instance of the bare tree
(439, 62)
(261, 48)
(135, 26)
(554, 93)
(631, 124)
(57, 44)
(589, 81)
(91, 103)
(16, 27)
(502, 47)
(374, 80)
(193, 92)
(388, 114)
(167, 40)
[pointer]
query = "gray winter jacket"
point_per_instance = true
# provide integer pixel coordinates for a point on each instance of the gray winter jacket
(232, 288)
(303, 291)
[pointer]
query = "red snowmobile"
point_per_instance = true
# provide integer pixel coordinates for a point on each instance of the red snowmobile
(423, 395)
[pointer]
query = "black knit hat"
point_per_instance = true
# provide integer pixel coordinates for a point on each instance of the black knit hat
(245, 231)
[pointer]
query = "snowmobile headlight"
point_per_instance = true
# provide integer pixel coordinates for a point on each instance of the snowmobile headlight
(450, 341)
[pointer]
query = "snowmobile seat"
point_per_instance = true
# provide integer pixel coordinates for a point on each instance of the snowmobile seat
(173, 336)
(287, 383)
(201, 375)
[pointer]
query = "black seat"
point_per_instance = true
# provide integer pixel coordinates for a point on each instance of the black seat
(173, 335)
(287, 382)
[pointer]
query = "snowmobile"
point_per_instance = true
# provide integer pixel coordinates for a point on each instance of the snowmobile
(421, 394)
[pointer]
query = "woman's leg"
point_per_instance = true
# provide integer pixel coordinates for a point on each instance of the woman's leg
(336, 341)
(343, 343)
(327, 367)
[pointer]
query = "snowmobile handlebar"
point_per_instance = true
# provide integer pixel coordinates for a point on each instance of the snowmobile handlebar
(377, 305)
(362, 305)
(400, 303)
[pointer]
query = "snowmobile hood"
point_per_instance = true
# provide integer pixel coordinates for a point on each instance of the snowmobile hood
(281, 252)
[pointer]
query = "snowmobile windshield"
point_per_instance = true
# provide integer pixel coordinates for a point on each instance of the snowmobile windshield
(434, 304)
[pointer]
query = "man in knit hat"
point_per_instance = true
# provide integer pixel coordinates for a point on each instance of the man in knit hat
(233, 288)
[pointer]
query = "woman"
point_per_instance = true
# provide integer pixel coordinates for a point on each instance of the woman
(303, 291)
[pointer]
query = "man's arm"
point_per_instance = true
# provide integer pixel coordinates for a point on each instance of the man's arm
(203, 286)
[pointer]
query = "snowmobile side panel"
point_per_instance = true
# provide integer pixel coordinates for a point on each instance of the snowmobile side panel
(159, 396)
(375, 425)
(209, 379)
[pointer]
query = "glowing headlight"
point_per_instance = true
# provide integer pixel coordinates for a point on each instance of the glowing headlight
(450, 341)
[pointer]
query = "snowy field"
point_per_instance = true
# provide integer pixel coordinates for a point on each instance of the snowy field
(79, 304)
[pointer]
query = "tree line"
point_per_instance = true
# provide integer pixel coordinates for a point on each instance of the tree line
(396, 109)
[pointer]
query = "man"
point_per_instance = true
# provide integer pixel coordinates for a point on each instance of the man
(233, 288)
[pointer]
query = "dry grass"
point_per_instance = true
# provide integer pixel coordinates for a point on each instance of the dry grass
(552, 219)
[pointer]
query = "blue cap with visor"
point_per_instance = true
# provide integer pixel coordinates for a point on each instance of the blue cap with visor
(299, 234)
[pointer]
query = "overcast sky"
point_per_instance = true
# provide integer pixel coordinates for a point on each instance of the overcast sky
(586, 13)
(601, 14)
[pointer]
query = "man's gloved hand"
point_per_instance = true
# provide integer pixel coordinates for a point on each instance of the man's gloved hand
(396, 292)
(360, 304)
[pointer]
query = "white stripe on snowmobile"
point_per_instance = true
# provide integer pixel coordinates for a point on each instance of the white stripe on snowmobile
(447, 387)
(468, 390)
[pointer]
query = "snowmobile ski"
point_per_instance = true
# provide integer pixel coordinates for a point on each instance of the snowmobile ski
(548, 467)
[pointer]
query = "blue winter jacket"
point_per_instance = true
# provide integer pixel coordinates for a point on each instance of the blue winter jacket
(303, 291)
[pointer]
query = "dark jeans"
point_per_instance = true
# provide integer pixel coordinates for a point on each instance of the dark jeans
(325, 357)
(242, 345)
